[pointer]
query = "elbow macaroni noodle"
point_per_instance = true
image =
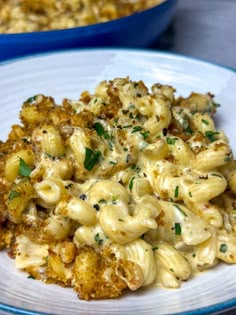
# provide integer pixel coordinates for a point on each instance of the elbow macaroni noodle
(119, 189)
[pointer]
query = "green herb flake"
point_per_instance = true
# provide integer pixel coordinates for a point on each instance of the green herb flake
(25, 140)
(176, 191)
(99, 129)
(136, 129)
(31, 99)
(188, 130)
(172, 270)
(216, 175)
(13, 194)
(24, 169)
(155, 248)
(114, 198)
(204, 121)
(178, 230)
(135, 168)
(91, 158)
(121, 220)
(127, 126)
(227, 159)
(97, 239)
(113, 162)
(171, 140)
(190, 194)
(211, 135)
(145, 134)
(31, 277)
(180, 209)
(102, 201)
(131, 106)
(223, 248)
(131, 183)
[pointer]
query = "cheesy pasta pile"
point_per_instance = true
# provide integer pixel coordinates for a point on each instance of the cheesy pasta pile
(122, 188)
(19, 16)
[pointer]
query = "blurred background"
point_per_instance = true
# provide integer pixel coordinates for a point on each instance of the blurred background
(203, 29)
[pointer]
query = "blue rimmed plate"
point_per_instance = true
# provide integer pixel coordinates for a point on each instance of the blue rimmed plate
(67, 74)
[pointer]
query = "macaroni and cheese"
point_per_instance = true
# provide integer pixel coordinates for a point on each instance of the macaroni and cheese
(123, 188)
(19, 16)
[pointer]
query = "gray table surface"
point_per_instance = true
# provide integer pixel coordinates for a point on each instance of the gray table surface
(204, 29)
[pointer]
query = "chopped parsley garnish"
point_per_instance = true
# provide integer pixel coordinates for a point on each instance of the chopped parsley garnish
(102, 201)
(137, 128)
(31, 277)
(24, 169)
(176, 191)
(131, 106)
(97, 239)
(171, 140)
(91, 158)
(216, 175)
(223, 248)
(135, 168)
(131, 183)
(180, 209)
(190, 194)
(188, 130)
(127, 126)
(113, 162)
(227, 159)
(31, 99)
(121, 220)
(211, 135)
(114, 199)
(25, 140)
(101, 131)
(178, 230)
(154, 248)
(145, 134)
(13, 194)
(204, 121)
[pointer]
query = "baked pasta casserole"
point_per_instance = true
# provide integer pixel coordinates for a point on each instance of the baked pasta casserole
(19, 16)
(123, 188)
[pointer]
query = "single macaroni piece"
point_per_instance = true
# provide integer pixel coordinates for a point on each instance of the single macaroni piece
(121, 189)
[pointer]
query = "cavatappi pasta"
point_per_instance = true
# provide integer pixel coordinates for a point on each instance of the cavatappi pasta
(19, 16)
(123, 188)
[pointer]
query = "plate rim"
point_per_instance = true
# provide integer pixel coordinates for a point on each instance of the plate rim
(163, 53)
(210, 309)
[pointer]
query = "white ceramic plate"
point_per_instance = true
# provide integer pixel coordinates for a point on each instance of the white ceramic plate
(67, 74)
